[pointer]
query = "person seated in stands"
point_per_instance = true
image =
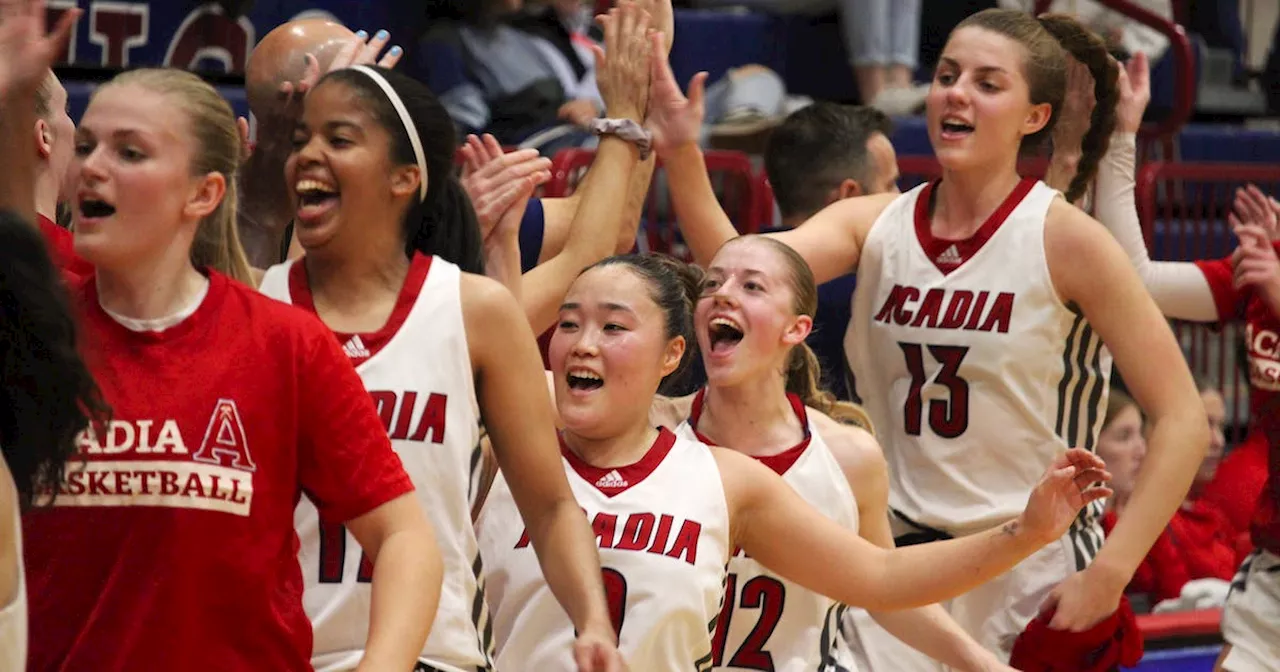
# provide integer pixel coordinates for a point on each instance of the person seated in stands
(882, 43)
(1182, 552)
(525, 73)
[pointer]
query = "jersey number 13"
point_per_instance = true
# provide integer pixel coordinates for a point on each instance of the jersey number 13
(949, 418)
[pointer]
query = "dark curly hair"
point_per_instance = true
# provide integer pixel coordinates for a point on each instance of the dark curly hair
(47, 395)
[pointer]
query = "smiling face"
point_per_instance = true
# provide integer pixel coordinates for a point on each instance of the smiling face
(746, 320)
(136, 195)
(610, 351)
(979, 107)
(343, 182)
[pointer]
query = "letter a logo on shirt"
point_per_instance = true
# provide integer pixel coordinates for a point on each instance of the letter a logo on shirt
(225, 438)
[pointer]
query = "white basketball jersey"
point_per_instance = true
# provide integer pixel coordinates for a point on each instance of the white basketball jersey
(418, 371)
(662, 526)
(972, 368)
(768, 622)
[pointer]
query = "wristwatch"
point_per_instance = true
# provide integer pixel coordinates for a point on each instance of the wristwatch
(628, 130)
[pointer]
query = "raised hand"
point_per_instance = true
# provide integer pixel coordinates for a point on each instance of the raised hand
(500, 184)
(1077, 108)
(664, 21)
(1254, 260)
(27, 50)
(674, 120)
(1072, 481)
(360, 50)
(623, 65)
(1135, 92)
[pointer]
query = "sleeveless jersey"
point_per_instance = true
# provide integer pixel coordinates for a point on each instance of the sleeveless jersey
(418, 371)
(768, 622)
(974, 371)
(662, 525)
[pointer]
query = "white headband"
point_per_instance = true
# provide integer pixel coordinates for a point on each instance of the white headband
(406, 120)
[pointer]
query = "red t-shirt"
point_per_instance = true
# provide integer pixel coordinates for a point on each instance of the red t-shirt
(1262, 342)
(172, 545)
(62, 246)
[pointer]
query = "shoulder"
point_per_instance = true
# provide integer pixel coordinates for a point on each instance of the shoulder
(269, 316)
(484, 298)
(856, 451)
(490, 314)
(1079, 250)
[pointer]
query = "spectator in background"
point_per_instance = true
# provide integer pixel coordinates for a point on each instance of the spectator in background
(817, 156)
(524, 72)
(1187, 550)
(1215, 406)
(1121, 33)
(882, 41)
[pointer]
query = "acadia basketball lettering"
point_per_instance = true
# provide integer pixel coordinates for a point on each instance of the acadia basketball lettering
(1264, 357)
(398, 411)
(947, 309)
(643, 532)
(218, 476)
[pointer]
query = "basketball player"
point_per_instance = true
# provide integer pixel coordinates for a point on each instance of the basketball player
(54, 147)
(666, 524)
(756, 310)
(392, 264)
(294, 52)
(46, 391)
(172, 546)
(982, 304)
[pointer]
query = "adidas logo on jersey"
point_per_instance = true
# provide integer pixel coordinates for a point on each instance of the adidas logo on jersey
(355, 348)
(612, 480)
(950, 257)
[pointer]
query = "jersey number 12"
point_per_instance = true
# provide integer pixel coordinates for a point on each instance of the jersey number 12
(764, 593)
(947, 419)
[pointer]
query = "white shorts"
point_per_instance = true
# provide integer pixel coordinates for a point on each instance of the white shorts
(1251, 620)
(994, 613)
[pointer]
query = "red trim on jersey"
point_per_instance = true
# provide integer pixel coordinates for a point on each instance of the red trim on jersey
(632, 474)
(370, 343)
(934, 248)
(779, 462)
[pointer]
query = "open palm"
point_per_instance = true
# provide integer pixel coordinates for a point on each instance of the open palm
(1068, 485)
(26, 50)
(674, 119)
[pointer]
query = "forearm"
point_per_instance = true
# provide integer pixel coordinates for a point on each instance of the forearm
(703, 223)
(921, 575)
(264, 210)
(931, 631)
(18, 118)
(407, 575)
(637, 194)
(1179, 288)
(502, 261)
(592, 235)
(1062, 168)
(570, 563)
(1178, 442)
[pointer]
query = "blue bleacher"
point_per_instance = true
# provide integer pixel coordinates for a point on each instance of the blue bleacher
(808, 53)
